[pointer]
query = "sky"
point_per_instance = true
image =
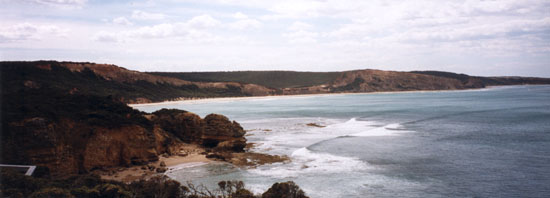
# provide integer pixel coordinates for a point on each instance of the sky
(486, 38)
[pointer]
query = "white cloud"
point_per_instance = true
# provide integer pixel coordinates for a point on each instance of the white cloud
(104, 36)
(301, 36)
(122, 21)
(141, 15)
(29, 31)
(194, 29)
(245, 24)
(62, 3)
(239, 15)
(296, 26)
(203, 21)
(156, 31)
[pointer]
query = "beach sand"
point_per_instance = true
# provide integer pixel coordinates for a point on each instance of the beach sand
(195, 154)
(229, 99)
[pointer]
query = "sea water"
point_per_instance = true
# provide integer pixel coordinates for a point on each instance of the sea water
(492, 142)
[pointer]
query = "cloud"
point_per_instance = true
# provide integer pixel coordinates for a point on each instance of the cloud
(203, 21)
(141, 15)
(193, 29)
(29, 31)
(122, 21)
(158, 31)
(240, 15)
(104, 36)
(296, 26)
(301, 36)
(62, 3)
(245, 24)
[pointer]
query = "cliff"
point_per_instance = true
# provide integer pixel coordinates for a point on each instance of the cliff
(73, 134)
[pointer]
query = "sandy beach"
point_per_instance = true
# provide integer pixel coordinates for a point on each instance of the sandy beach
(195, 154)
(230, 99)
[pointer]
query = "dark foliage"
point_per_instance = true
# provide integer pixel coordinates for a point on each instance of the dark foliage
(487, 81)
(356, 84)
(22, 76)
(13, 184)
(284, 190)
(273, 79)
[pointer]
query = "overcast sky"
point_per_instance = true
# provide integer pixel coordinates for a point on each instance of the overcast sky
(489, 38)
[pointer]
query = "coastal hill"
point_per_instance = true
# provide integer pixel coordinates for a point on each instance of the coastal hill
(73, 119)
(290, 82)
(139, 87)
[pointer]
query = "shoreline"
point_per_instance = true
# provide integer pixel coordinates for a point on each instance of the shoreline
(231, 99)
(195, 154)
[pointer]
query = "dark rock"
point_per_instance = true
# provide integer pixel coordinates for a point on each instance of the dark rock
(222, 134)
(215, 156)
(162, 164)
(161, 170)
(235, 145)
(187, 126)
(315, 125)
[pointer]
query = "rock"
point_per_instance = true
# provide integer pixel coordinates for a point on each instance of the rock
(162, 164)
(215, 156)
(235, 145)
(222, 134)
(187, 126)
(219, 125)
(315, 125)
(129, 145)
(183, 154)
(161, 170)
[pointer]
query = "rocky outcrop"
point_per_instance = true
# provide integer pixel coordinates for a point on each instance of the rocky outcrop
(222, 134)
(73, 133)
(124, 146)
(214, 131)
(187, 126)
(69, 147)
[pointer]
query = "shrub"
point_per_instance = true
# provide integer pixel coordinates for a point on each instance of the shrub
(284, 190)
(51, 192)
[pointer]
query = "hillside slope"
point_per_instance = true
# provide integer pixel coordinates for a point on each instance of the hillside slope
(272, 79)
(110, 80)
(289, 82)
(138, 87)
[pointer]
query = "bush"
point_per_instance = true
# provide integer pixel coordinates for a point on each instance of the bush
(284, 190)
(51, 192)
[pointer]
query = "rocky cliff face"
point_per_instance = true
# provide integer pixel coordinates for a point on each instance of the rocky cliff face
(222, 134)
(95, 133)
(214, 131)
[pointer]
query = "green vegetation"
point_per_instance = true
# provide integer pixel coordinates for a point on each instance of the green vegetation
(17, 185)
(272, 79)
(22, 76)
(488, 81)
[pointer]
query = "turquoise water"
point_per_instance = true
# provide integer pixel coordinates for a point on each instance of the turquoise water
(491, 142)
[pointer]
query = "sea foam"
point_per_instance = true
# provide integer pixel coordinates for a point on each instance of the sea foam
(305, 161)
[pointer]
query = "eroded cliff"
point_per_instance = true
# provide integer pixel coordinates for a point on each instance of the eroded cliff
(77, 134)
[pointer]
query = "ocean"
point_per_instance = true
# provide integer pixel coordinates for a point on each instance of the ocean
(492, 142)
